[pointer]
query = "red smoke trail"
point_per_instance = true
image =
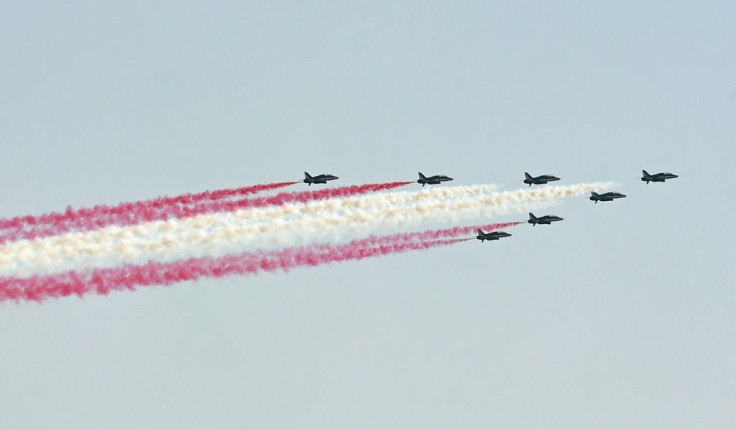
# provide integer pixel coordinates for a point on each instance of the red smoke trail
(437, 234)
(102, 281)
(123, 213)
(429, 236)
(457, 231)
(292, 197)
(169, 207)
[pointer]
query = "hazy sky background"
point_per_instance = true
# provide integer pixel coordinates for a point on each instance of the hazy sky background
(621, 316)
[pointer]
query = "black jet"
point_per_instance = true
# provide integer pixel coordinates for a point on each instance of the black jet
(432, 180)
(547, 219)
(494, 235)
(657, 177)
(605, 197)
(542, 179)
(319, 179)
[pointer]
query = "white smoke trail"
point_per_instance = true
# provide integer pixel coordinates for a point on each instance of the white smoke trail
(222, 233)
(263, 214)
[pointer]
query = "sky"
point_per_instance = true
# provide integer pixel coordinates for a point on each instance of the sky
(621, 316)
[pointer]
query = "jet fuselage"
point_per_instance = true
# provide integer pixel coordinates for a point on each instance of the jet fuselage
(319, 179)
(539, 180)
(432, 180)
(605, 197)
(657, 177)
(546, 219)
(494, 235)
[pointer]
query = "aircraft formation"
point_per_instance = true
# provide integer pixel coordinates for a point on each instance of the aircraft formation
(528, 179)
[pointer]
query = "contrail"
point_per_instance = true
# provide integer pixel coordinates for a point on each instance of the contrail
(187, 205)
(233, 232)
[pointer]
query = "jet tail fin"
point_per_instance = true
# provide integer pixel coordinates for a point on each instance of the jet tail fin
(531, 216)
(421, 176)
(594, 194)
(480, 232)
(307, 175)
(644, 173)
(528, 176)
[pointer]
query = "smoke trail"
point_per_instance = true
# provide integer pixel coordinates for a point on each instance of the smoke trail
(445, 233)
(134, 248)
(202, 203)
(394, 199)
(175, 207)
(29, 227)
(102, 281)
(228, 233)
(286, 198)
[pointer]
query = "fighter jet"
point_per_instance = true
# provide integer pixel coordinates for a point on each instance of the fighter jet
(494, 235)
(432, 180)
(547, 219)
(319, 179)
(657, 177)
(605, 197)
(542, 179)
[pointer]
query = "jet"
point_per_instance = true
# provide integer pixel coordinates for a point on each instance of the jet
(605, 197)
(547, 219)
(432, 180)
(494, 235)
(319, 179)
(542, 179)
(657, 177)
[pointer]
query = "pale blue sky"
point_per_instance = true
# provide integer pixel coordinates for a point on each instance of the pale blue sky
(622, 316)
